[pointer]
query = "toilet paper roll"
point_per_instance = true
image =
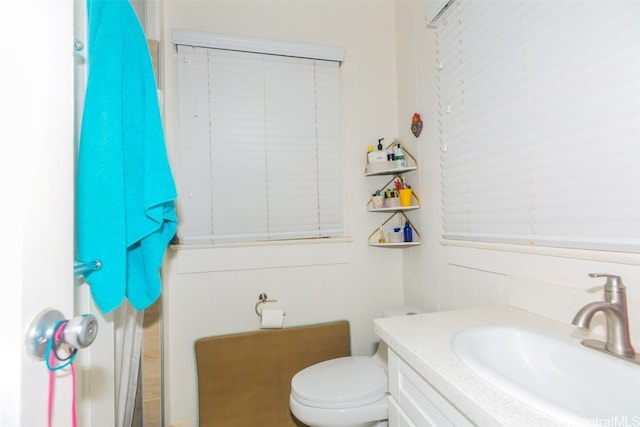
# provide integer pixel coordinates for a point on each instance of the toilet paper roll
(272, 318)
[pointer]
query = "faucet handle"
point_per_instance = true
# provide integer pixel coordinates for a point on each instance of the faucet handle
(613, 284)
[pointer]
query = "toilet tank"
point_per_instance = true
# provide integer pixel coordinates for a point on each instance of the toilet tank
(380, 355)
(401, 311)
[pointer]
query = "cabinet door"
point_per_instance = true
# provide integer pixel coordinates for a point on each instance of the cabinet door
(422, 403)
(397, 417)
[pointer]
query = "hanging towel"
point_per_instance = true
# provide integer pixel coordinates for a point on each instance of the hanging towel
(125, 190)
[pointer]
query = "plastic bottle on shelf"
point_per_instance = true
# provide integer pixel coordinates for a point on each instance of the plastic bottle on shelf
(408, 232)
(399, 156)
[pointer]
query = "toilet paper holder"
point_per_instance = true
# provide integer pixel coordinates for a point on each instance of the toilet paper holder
(263, 299)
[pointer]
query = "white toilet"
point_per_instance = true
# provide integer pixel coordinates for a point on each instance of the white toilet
(345, 392)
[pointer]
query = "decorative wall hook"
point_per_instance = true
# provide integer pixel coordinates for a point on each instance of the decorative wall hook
(416, 125)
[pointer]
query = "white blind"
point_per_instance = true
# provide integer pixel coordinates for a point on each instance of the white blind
(261, 156)
(540, 123)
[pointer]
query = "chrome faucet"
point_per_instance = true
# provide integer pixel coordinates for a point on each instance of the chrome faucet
(614, 309)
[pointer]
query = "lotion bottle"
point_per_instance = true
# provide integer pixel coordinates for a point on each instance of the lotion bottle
(399, 156)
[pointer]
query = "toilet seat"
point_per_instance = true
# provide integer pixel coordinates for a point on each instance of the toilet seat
(340, 383)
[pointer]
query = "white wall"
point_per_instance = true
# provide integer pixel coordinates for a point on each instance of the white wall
(210, 291)
(553, 283)
(429, 280)
(425, 283)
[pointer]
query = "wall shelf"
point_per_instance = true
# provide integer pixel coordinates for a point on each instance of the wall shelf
(402, 219)
(395, 245)
(392, 209)
(389, 168)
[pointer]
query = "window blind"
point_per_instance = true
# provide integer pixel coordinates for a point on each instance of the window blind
(540, 123)
(260, 146)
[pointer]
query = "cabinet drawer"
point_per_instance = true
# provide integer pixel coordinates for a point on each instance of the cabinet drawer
(423, 404)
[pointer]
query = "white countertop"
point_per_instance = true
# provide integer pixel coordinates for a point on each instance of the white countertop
(424, 342)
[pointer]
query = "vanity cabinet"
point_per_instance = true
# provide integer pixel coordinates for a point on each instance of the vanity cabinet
(396, 211)
(397, 417)
(413, 402)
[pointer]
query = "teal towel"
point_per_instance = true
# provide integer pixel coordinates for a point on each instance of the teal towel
(125, 190)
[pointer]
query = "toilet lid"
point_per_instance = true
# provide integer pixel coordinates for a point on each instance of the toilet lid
(340, 383)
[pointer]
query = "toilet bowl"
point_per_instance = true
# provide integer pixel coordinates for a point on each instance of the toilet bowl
(347, 391)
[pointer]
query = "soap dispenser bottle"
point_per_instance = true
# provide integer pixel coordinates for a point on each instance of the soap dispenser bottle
(377, 156)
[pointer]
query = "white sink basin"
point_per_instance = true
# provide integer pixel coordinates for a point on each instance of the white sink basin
(552, 372)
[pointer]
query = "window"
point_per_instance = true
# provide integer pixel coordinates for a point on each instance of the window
(260, 148)
(540, 123)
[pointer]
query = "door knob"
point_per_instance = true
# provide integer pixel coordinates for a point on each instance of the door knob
(77, 333)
